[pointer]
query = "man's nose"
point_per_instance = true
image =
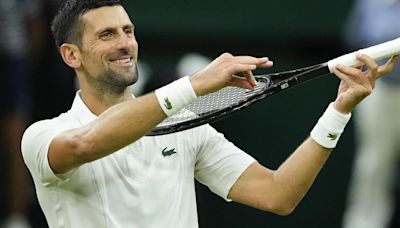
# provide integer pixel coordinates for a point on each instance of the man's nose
(126, 41)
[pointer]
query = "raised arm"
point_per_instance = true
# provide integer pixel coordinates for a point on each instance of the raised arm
(279, 191)
(128, 121)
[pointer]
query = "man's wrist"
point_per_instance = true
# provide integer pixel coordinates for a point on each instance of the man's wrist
(329, 127)
(343, 109)
(175, 96)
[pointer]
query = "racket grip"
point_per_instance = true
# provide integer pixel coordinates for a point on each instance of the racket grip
(377, 52)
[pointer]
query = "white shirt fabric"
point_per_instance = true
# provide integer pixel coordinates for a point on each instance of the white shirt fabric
(136, 186)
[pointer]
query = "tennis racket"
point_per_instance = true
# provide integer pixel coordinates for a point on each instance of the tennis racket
(225, 102)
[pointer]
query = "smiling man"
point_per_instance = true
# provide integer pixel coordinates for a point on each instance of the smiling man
(93, 166)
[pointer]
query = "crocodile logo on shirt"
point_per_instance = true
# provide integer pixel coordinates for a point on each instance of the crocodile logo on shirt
(167, 103)
(332, 137)
(165, 152)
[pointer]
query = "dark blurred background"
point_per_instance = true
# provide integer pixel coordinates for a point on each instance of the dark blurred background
(292, 33)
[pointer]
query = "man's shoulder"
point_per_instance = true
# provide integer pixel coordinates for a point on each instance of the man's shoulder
(63, 121)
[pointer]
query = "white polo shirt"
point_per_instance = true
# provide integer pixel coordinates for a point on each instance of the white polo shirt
(149, 183)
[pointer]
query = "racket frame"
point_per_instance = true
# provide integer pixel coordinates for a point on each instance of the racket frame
(276, 82)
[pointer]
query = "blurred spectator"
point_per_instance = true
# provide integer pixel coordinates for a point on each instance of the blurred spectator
(18, 21)
(371, 195)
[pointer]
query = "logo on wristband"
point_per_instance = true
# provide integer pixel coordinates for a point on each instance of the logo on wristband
(167, 103)
(332, 137)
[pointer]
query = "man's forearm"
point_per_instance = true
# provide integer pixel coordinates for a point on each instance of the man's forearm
(296, 175)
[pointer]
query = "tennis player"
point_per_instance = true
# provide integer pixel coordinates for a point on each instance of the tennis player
(93, 167)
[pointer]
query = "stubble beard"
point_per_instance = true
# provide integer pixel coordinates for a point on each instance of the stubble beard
(112, 82)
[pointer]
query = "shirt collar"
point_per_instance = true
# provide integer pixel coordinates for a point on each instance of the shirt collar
(81, 111)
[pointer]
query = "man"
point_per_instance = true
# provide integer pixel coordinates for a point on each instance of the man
(93, 167)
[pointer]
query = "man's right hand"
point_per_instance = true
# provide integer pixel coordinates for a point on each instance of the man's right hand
(221, 73)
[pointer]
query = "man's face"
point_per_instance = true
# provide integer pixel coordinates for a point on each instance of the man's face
(109, 48)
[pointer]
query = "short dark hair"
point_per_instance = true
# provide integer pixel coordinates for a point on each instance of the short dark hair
(67, 25)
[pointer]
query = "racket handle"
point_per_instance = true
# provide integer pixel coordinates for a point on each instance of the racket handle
(377, 52)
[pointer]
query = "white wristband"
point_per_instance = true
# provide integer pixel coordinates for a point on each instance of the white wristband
(329, 127)
(176, 95)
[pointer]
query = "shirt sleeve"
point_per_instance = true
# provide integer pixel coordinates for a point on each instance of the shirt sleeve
(35, 145)
(219, 162)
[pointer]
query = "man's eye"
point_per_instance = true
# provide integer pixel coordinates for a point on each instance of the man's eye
(128, 31)
(106, 34)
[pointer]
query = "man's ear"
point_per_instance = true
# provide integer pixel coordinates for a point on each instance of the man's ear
(71, 55)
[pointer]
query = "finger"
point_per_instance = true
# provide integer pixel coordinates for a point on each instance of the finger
(239, 67)
(389, 66)
(250, 78)
(251, 64)
(348, 70)
(251, 60)
(241, 82)
(369, 62)
(268, 64)
(341, 72)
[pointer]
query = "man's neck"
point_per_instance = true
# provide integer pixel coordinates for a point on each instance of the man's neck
(98, 101)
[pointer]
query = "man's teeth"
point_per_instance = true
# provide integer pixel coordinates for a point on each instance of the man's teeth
(122, 61)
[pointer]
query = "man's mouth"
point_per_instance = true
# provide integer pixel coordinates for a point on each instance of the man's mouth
(125, 60)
